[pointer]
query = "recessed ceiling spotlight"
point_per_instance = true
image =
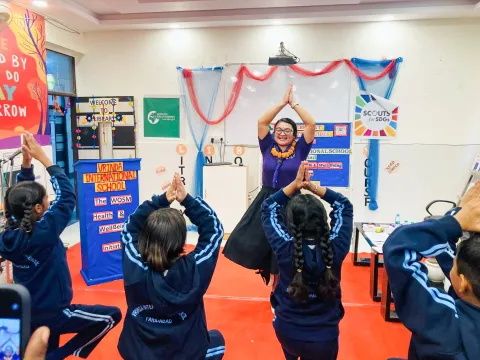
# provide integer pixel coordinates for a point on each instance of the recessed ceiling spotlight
(39, 3)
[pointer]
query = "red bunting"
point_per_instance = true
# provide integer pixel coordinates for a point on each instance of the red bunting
(244, 71)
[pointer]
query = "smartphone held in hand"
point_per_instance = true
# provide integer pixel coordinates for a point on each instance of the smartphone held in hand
(14, 321)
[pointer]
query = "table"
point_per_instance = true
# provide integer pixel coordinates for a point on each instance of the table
(387, 309)
(378, 293)
(376, 257)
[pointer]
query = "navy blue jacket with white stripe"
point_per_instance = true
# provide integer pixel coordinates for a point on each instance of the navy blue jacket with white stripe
(442, 325)
(39, 258)
(316, 320)
(166, 316)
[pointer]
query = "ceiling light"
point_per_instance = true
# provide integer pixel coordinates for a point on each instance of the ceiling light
(39, 3)
(277, 22)
(174, 26)
(388, 18)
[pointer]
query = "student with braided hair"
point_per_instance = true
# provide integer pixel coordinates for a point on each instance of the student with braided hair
(310, 253)
(31, 242)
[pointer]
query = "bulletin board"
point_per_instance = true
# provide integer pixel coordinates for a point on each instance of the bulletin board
(329, 158)
(108, 193)
(119, 110)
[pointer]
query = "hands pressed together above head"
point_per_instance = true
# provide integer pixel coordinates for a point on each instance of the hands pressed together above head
(176, 191)
(302, 181)
(288, 98)
(32, 149)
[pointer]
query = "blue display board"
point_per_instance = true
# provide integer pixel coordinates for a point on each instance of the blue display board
(329, 158)
(107, 194)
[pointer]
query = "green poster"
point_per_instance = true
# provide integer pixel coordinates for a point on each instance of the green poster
(161, 117)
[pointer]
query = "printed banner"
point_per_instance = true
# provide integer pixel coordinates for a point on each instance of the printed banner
(375, 117)
(161, 117)
(23, 80)
(107, 195)
(329, 158)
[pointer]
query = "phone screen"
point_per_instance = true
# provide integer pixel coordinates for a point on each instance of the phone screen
(12, 318)
(10, 339)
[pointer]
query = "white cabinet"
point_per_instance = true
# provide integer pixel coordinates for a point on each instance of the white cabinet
(225, 190)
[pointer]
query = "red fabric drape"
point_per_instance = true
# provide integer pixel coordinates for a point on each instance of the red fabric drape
(244, 71)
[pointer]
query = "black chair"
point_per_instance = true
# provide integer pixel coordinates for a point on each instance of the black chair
(431, 216)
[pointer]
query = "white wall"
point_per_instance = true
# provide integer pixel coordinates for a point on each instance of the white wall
(436, 90)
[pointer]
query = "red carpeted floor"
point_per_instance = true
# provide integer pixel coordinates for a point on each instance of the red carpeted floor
(237, 304)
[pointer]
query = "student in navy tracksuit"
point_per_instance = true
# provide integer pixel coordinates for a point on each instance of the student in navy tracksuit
(164, 287)
(444, 326)
(307, 300)
(31, 241)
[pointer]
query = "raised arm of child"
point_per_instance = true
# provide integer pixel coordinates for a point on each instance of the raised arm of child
(428, 313)
(445, 259)
(133, 266)
(272, 220)
(210, 232)
(58, 215)
(341, 218)
(26, 171)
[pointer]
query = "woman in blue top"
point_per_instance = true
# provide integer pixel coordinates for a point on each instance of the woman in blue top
(307, 300)
(282, 155)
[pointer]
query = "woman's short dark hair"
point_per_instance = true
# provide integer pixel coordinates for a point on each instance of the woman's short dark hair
(289, 122)
(162, 238)
(307, 219)
(20, 200)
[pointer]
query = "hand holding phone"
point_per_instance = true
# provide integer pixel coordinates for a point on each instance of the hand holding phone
(38, 345)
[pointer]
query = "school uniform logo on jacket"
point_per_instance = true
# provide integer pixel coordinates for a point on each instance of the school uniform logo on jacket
(30, 258)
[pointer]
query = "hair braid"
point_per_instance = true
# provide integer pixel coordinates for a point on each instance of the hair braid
(9, 218)
(327, 288)
(26, 222)
(297, 289)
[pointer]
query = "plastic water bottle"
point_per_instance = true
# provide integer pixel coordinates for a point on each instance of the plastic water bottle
(405, 222)
(397, 220)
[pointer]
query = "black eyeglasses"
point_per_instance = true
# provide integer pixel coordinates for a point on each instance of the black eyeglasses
(279, 131)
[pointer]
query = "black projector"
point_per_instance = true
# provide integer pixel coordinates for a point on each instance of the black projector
(284, 58)
(282, 61)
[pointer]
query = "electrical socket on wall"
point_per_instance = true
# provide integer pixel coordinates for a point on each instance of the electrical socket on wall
(216, 140)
